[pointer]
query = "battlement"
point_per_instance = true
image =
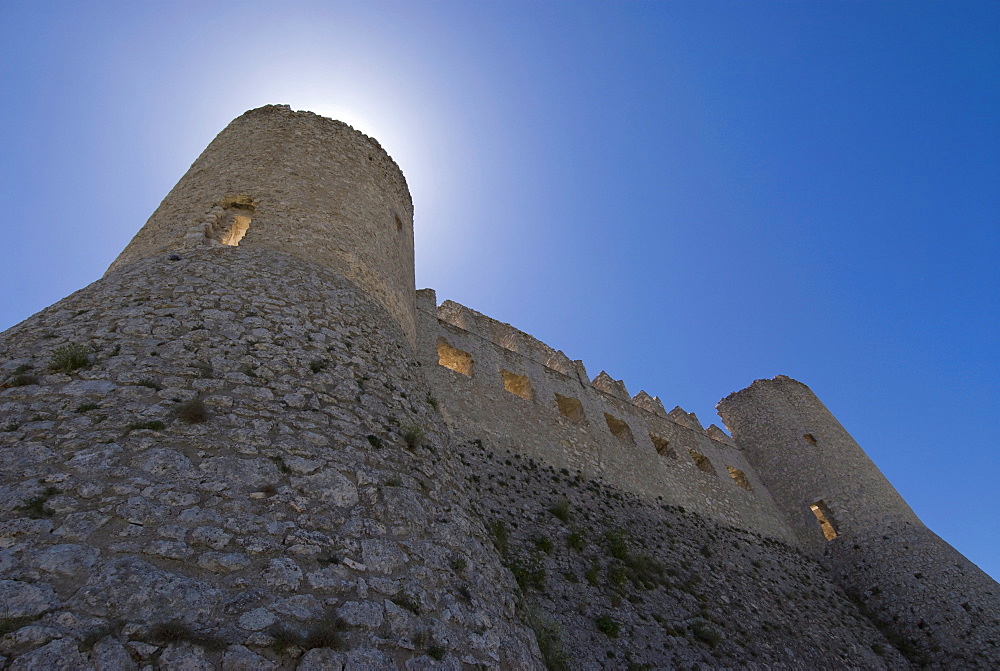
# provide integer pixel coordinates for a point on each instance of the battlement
(508, 337)
(493, 381)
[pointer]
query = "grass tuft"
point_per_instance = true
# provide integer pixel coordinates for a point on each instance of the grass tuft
(69, 358)
(192, 412)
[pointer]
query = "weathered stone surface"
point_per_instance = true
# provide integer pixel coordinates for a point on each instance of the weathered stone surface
(185, 657)
(283, 574)
(257, 619)
(328, 486)
(59, 655)
(322, 659)
(223, 562)
(110, 655)
(382, 556)
(21, 599)
(68, 559)
(239, 658)
(28, 638)
(362, 614)
(138, 591)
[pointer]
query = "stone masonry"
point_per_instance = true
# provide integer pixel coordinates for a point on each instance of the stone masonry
(254, 445)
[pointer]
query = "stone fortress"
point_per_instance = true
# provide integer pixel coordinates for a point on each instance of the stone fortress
(253, 444)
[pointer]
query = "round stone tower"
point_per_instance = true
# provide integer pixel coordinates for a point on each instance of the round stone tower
(223, 454)
(298, 183)
(942, 607)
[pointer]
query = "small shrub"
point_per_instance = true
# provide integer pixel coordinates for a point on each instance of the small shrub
(317, 365)
(432, 401)
(544, 543)
(617, 575)
(269, 489)
(458, 564)
(705, 551)
(645, 571)
(9, 624)
(413, 435)
(575, 541)
(166, 633)
(280, 463)
(155, 425)
(36, 507)
(593, 574)
(393, 482)
(617, 544)
(436, 652)
(527, 575)
(326, 633)
(85, 407)
(501, 536)
(607, 626)
(192, 412)
(149, 383)
(375, 441)
(23, 380)
(404, 600)
(69, 358)
(706, 634)
(561, 510)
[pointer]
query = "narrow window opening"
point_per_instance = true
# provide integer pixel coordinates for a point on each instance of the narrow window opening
(454, 358)
(809, 438)
(571, 408)
(703, 463)
(740, 478)
(662, 446)
(519, 385)
(233, 217)
(619, 429)
(825, 518)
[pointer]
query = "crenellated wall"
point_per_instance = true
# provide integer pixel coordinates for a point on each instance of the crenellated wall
(548, 408)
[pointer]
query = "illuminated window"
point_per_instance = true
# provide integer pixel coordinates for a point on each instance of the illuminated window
(740, 478)
(619, 429)
(702, 462)
(519, 385)
(232, 222)
(571, 409)
(825, 518)
(662, 446)
(454, 358)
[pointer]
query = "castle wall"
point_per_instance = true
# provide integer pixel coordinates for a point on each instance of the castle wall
(478, 406)
(288, 514)
(298, 183)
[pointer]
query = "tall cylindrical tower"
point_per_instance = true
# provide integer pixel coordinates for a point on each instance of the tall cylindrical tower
(302, 184)
(936, 604)
(223, 451)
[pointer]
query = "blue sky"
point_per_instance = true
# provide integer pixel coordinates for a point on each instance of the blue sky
(690, 195)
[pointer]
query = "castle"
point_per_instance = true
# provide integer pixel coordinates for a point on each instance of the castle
(253, 444)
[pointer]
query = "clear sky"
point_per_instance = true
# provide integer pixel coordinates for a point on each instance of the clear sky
(690, 195)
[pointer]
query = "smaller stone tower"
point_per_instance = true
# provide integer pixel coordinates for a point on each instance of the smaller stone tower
(846, 513)
(298, 183)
